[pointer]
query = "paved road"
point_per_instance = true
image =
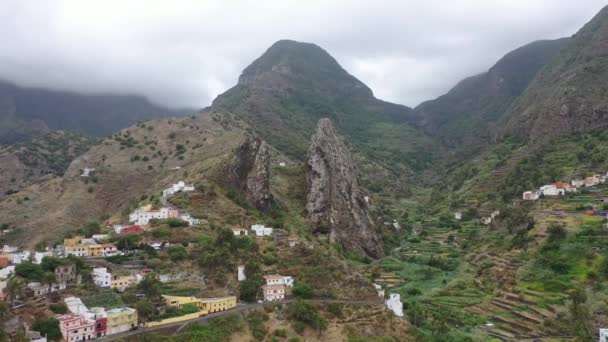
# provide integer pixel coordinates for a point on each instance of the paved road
(239, 308)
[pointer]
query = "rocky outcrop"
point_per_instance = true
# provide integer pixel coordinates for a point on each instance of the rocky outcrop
(249, 173)
(335, 202)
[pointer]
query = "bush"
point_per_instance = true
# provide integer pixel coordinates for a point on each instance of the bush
(59, 308)
(257, 326)
(175, 222)
(335, 309)
(304, 313)
(177, 252)
(48, 327)
(30, 271)
(302, 290)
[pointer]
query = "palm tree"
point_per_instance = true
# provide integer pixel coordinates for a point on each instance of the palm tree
(49, 278)
(14, 289)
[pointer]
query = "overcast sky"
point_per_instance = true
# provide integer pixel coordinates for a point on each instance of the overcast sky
(184, 53)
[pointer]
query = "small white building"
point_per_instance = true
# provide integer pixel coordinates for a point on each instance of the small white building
(19, 257)
(9, 249)
(261, 230)
(39, 289)
(142, 216)
(38, 256)
(273, 292)
(241, 273)
(458, 215)
(394, 304)
(191, 220)
(239, 231)
(100, 237)
(86, 172)
(603, 335)
(380, 290)
(293, 241)
(101, 277)
(530, 195)
(276, 279)
(577, 183)
(551, 190)
(177, 187)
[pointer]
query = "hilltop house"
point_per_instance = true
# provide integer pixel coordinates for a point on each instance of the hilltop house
(261, 230)
(177, 187)
(551, 190)
(394, 304)
(531, 195)
(276, 279)
(142, 216)
(273, 292)
(239, 231)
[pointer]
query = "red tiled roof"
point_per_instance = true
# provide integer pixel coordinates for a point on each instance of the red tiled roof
(273, 276)
(132, 229)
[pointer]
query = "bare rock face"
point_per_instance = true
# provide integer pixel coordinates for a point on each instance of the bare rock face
(249, 173)
(335, 202)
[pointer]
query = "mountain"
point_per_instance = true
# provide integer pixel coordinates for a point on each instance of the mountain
(28, 112)
(283, 94)
(568, 95)
(465, 117)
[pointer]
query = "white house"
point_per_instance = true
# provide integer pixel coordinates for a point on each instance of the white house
(241, 273)
(380, 290)
(276, 279)
(38, 256)
(177, 187)
(101, 277)
(19, 257)
(239, 231)
(458, 215)
(142, 216)
(273, 292)
(530, 195)
(9, 249)
(100, 237)
(86, 172)
(551, 190)
(577, 183)
(191, 220)
(394, 304)
(39, 289)
(261, 230)
(603, 335)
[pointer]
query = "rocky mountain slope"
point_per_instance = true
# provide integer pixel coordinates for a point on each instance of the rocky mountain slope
(248, 175)
(27, 112)
(39, 159)
(464, 118)
(569, 95)
(335, 201)
(292, 85)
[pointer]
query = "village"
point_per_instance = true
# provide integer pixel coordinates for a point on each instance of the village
(56, 274)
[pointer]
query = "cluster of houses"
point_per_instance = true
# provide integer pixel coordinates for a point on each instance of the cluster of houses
(106, 279)
(561, 188)
(142, 216)
(89, 247)
(83, 324)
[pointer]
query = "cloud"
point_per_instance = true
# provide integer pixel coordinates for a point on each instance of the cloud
(184, 53)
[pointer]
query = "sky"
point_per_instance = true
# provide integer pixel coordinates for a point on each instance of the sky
(184, 53)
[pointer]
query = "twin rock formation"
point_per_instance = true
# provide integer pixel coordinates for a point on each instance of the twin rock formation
(335, 202)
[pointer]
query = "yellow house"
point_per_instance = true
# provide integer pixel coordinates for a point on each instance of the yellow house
(206, 305)
(121, 319)
(121, 282)
(76, 250)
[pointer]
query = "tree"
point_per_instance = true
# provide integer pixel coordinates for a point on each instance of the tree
(150, 285)
(302, 290)
(177, 252)
(48, 327)
(14, 289)
(49, 279)
(28, 270)
(49, 264)
(145, 309)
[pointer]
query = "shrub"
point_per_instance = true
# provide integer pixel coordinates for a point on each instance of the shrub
(302, 290)
(48, 327)
(59, 308)
(304, 313)
(177, 252)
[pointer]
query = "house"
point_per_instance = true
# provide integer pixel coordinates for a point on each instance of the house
(76, 328)
(592, 180)
(603, 335)
(279, 280)
(292, 241)
(273, 292)
(76, 250)
(65, 273)
(134, 229)
(98, 315)
(177, 187)
(564, 186)
(7, 272)
(261, 230)
(9, 249)
(458, 215)
(38, 256)
(121, 282)
(486, 220)
(86, 172)
(158, 245)
(121, 320)
(239, 231)
(551, 190)
(380, 290)
(100, 237)
(241, 273)
(142, 216)
(191, 220)
(102, 250)
(101, 277)
(531, 195)
(19, 257)
(394, 304)
(206, 305)
(36, 289)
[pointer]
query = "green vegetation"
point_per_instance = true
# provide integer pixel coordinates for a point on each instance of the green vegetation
(305, 314)
(48, 327)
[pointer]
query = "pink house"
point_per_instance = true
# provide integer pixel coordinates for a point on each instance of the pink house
(76, 328)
